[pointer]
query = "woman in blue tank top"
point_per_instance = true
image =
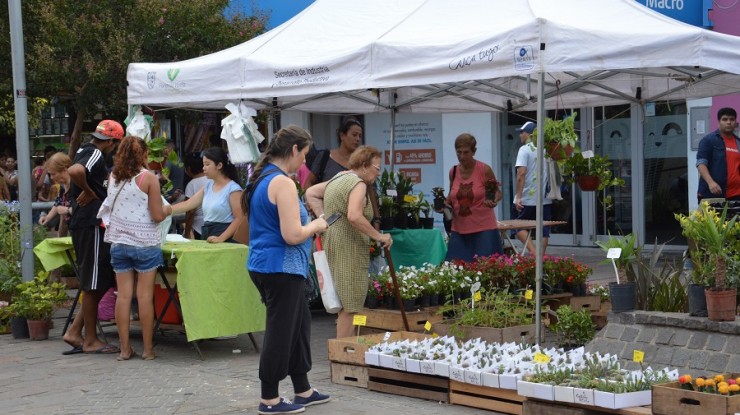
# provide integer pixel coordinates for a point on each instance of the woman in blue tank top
(280, 235)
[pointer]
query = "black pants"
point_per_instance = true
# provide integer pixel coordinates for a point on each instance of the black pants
(286, 348)
(215, 229)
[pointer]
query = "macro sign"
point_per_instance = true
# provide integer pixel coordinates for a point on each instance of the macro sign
(693, 12)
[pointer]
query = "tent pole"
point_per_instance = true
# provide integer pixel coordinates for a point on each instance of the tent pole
(392, 102)
(540, 196)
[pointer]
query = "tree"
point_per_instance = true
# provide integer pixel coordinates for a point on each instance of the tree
(79, 50)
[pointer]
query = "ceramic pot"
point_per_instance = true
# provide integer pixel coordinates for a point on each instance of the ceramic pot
(721, 305)
(588, 183)
(39, 329)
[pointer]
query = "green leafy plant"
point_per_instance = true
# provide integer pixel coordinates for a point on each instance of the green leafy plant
(659, 283)
(10, 246)
(496, 309)
(560, 134)
(574, 328)
(630, 252)
(36, 299)
(387, 206)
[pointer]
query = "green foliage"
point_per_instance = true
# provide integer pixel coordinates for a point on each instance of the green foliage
(598, 166)
(10, 247)
(560, 132)
(630, 252)
(659, 285)
(496, 309)
(574, 328)
(36, 299)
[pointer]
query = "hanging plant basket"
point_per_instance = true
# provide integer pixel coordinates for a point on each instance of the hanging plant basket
(557, 152)
(588, 183)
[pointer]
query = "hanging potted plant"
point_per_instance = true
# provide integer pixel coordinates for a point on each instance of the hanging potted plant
(593, 173)
(712, 234)
(560, 137)
(623, 292)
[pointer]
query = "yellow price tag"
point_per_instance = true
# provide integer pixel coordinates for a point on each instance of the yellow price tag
(435, 335)
(409, 198)
(477, 296)
(359, 320)
(428, 326)
(540, 357)
(529, 294)
(638, 356)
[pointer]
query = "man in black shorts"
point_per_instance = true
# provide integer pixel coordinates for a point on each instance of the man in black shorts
(89, 175)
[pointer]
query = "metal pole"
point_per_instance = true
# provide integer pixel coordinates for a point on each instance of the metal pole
(21, 138)
(392, 101)
(539, 194)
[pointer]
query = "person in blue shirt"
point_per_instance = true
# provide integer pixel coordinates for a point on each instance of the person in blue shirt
(280, 233)
(219, 198)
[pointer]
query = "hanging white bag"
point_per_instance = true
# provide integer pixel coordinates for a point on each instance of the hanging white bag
(326, 283)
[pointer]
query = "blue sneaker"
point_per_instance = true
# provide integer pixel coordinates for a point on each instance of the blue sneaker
(283, 407)
(315, 399)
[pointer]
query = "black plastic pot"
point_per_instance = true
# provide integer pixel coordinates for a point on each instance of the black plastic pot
(623, 296)
(697, 300)
(19, 327)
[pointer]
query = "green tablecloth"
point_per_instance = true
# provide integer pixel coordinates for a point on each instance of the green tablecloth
(417, 246)
(216, 294)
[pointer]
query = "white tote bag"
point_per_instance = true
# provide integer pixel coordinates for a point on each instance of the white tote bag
(326, 284)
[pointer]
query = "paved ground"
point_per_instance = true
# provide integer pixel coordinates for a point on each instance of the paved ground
(36, 379)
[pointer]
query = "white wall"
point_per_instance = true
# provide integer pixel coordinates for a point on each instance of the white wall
(691, 154)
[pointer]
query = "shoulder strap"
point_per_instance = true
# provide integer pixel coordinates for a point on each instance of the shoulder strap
(454, 173)
(322, 166)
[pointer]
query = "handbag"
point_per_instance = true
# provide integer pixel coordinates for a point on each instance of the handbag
(329, 296)
(107, 209)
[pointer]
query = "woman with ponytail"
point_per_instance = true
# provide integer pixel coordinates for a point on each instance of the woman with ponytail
(219, 198)
(280, 233)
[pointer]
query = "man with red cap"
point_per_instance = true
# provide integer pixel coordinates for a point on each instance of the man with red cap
(89, 176)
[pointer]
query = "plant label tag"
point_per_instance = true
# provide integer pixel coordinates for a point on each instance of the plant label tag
(359, 320)
(475, 287)
(637, 356)
(427, 326)
(614, 253)
(435, 335)
(588, 154)
(477, 296)
(391, 192)
(540, 357)
(528, 294)
(387, 336)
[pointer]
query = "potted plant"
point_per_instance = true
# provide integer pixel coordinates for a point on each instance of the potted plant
(492, 187)
(574, 328)
(426, 209)
(560, 137)
(386, 210)
(593, 173)
(439, 198)
(36, 301)
(157, 157)
(713, 233)
(623, 292)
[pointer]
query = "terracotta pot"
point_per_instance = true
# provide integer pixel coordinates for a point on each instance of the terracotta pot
(721, 305)
(557, 152)
(155, 165)
(39, 329)
(588, 183)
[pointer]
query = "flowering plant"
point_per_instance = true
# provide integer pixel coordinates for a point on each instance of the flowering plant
(600, 290)
(565, 269)
(492, 187)
(375, 249)
(716, 385)
(408, 282)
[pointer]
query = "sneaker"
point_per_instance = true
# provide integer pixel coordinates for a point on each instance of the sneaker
(283, 407)
(315, 399)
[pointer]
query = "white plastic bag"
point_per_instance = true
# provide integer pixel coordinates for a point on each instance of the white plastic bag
(326, 283)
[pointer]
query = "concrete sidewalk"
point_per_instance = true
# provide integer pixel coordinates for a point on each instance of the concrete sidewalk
(36, 379)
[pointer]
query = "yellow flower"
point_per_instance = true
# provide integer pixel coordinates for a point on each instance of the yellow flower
(709, 382)
(700, 382)
(735, 388)
(721, 384)
(723, 390)
(719, 378)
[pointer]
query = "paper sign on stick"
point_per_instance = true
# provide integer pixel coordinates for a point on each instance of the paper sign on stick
(614, 253)
(427, 326)
(637, 356)
(477, 296)
(588, 154)
(528, 294)
(359, 320)
(540, 357)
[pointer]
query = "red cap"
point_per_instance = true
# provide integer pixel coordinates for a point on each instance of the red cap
(108, 129)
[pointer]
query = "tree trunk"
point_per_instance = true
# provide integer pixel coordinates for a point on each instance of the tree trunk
(720, 279)
(74, 142)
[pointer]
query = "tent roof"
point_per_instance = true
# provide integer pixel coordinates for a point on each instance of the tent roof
(442, 56)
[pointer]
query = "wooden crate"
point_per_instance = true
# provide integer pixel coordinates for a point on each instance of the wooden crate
(537, 407)
(670, 399)
(350, 375)
(352, 349)
(391, 320)
(519, 334)
(483, 397)
(591, 303)
(414, 385)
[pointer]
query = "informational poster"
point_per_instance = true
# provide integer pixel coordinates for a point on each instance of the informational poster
(418, 147)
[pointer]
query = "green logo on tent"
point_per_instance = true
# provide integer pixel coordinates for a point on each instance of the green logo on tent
(172, 74)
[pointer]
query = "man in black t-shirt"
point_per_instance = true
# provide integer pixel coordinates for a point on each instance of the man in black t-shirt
(88, 189)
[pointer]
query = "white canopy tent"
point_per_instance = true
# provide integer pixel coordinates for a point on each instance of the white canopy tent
(363, 56)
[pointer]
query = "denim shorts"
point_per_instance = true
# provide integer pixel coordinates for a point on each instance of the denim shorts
(125, 258)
